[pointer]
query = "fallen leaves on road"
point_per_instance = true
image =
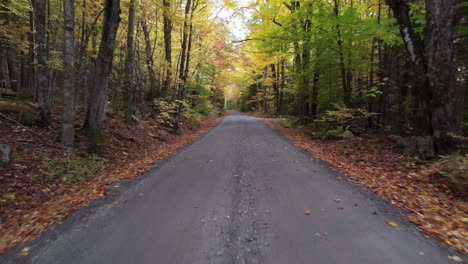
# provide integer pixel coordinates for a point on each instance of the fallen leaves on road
(375, 163)
(391, 223)
(25, 251)
(455, 258)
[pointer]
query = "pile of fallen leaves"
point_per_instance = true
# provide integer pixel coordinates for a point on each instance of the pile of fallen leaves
(375, 162)
(29, 202)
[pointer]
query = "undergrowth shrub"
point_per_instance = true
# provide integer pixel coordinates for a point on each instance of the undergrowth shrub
(175, 113)
(70, 168)
(455, 167)
(346, 118)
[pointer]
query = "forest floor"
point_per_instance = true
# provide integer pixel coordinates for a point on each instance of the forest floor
(34, 192)
(375, 162)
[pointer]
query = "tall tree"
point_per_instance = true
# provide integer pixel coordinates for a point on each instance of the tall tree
(433, 63)
(185, 37)
(154, 83)
(130, 64)
(190, 40)
(339, 41)
(68, 125)
(42, 73)
(167, 46)
(98, 91)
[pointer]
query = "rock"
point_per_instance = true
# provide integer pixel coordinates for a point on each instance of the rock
(401, 141)
(424, 147)
(5, 150)
(347, 135)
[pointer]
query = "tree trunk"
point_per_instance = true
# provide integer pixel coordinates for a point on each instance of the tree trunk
(167, 47)
(130, 65)
(315, 92)
(306, 56)
(155, 89)
(344, 83)
(440, 22)
(264, 88)
(68, 124)
(190, 39)
(185, 36)
(275, 86)
(4, 69)
(98, 91)
(282, 86)
(42, 74)
(30, 75)
(433, 63)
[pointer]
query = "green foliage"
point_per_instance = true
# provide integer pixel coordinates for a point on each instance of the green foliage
(291, 122)
(14, 21)
(328, 134)
(346, 118)
(173, 114)
(373, 92)
(192, 119)
(168, 113)
(455, 167)
(70, 168)
(9, 196)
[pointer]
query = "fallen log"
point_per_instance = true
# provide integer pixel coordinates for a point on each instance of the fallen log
(28, 111)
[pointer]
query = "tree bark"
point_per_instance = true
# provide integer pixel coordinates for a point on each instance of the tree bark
(315, 92)
(130, 65)
(5, 80)
(264, 88)
(275, 86)
(185, 36)
(190, 39)
(42, 73)
(344, 83)
(167, 47)
(433, 63)
(68, 124)
(155, 89)
(98, 91)
(440, 22)
(282, 86)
